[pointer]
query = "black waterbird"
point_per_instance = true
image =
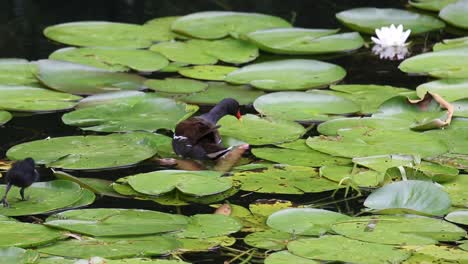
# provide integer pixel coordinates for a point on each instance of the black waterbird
(21, 174)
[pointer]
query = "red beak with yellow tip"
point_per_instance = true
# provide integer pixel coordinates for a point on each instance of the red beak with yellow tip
(239, 115)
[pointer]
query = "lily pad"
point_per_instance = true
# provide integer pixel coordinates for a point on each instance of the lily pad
(112, 59)
(308, 157)
(284, 180)
(304, 221)
(196, 183)
(113, 248)
(454, 14)
(457, 190)
(14, 255)
(176, 85)
(269, 239)
(302, 106)
(26, 235)
(80, 79)
(359, 142)
(451, 43)
(399, 230)
(436, 254)
(460, 108)
(415, 197)
(43, 197)
(115, 222)
(210, 225)
(284, 257)
(149, 113)
(458, 217)
(183, 52)
(207, 72)
(454, 136)
(295, 74)
(344, 249)
(17, 72)
(100, 34)
(5, 117)
(260, 131)
(217, 24)
(451, 63)
(332, 127)
(431, 5)
(88, 152)
(32, 99)
(229, 50)
(360, 176)
(304, 41)
(370, 96)
(367, 19)
(161, 28)
(450, 89)
(217, 91)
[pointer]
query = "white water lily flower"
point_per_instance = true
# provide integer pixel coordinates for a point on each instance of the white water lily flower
(391, 52)
(391, 36)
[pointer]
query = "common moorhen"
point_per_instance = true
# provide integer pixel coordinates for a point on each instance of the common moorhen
(198, 137)
(21, 174)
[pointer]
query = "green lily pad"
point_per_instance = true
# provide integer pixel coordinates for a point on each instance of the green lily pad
(451, 63)
(32, 99)
(457, 190)
(451, 43)
(293, 74)
(176, 85)
(207, 72)
(17, 72)
(216, 24)
(431, 5)
(345, 249)
(26, 235)
(455, 14)
(399, 230)
(100, 34)
(454, 136)
(260, 131)
(149, 113)
(308, 158)
(229, 50)
(302, 106)
(43, 197)
(112, 59)
(88, 152)
(113, 248)
(362, 177)
(196, 183)
(205, 244)
(104, 98)
(304, 221)
(304, 41)
(369, 96)
(5, 117)
(284, 180)
(80, 79)
(368, 19)
(454, 160)
(217, 91)
(14, 255)
(458, 217)
(161, 28)
(415, 197)
(269, 239)
(115, 222)
(359, 142)
(436, 254)
(174, 67)
(461, 108)
(284, 257)
(183, 52)
(450, 89)
(332, 127)
(210, 225)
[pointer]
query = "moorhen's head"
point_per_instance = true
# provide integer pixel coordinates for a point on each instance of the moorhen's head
(231, 107)
(29, 161)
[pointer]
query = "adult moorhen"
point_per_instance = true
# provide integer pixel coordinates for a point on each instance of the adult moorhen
(198, 137)
(21, 174)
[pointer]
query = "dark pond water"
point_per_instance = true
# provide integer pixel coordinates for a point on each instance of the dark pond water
(22, 23)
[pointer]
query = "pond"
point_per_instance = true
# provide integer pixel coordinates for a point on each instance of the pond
(357, 149)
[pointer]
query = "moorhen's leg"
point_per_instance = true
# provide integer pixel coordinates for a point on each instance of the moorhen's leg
(4, 199)
(22, 194)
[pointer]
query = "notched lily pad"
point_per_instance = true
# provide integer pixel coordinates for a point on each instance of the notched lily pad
(449, 89)
(210, 225)
(207, 72)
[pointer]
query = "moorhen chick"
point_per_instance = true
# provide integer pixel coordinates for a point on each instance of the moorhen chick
(198, 137)
(21, 174)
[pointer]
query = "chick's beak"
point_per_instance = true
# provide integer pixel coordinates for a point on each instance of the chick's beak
(239, 116)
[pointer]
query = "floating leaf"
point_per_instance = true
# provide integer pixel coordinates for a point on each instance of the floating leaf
(450, 89)
(207, 72)
(183, 52)
(458, 217)
(210, 225)
(43, 197)
(17, 72)
(176, 85)
(284, 257)
(308, 158)
(88, 152)
(32, 99)
(269, 239)
(304, 41)
(112, 59)
(5, 117)
(229, 50)
(80, 79)
(26, 235)
(344, 249)
(295, 74)
(100, 34)
(454, 136)
(362, 177)
(457, 190)
(14, 255)
(332, 127)
(216, 24)
(148, 112)
(451, 43)
(302, 106)
(455, 14)
(416, 197)
(368, 19)
(431, 5)
(460, 108)
(436, 254)
(160, 28)
(115, 222)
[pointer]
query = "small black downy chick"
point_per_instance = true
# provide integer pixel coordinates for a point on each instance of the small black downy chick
(21, 174)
